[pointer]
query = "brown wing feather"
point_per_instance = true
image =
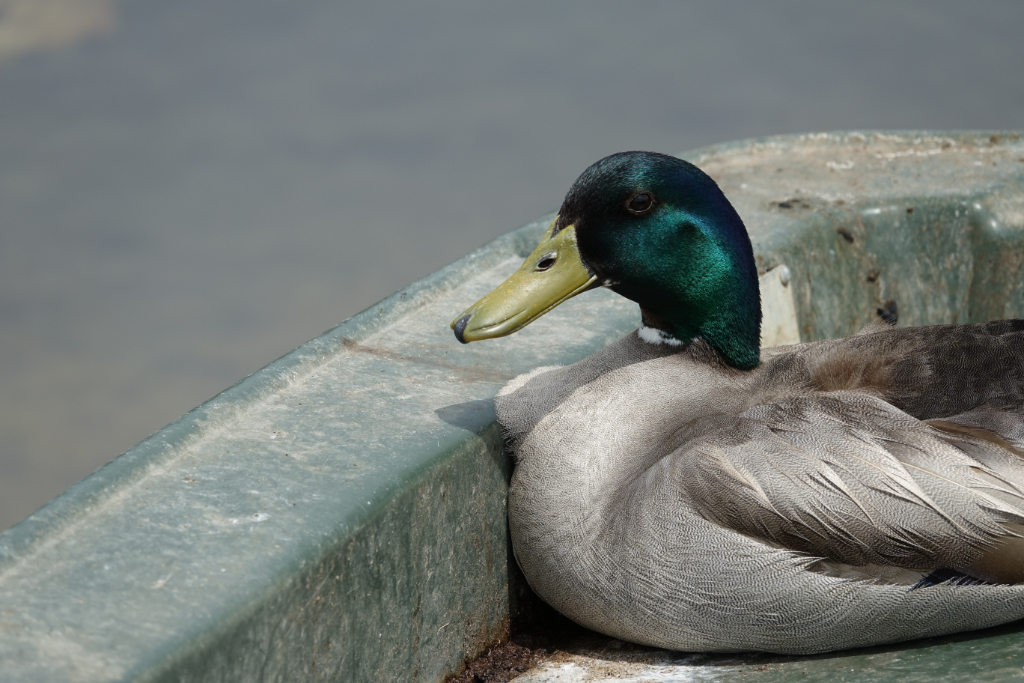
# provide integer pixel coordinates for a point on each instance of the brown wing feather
(928, 372)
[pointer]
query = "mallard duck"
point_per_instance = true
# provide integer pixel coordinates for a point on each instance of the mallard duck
(684, 489)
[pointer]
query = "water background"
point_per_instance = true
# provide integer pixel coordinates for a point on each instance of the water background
(190, 189)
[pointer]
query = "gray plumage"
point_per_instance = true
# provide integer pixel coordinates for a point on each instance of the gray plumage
(665, 498)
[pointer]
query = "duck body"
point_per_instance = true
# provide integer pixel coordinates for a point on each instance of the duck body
(684, 490)
(666, 499)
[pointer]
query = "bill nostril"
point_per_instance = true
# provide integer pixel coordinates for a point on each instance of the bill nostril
(547, 260)
(460, 327)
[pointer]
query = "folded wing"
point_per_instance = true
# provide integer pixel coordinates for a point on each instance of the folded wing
(848, 477)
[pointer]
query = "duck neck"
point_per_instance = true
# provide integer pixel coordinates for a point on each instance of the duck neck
(732, 328)
(710, 291)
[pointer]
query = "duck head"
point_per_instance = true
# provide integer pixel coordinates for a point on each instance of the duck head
(656, 230)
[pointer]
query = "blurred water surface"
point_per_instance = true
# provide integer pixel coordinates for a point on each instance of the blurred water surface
(190, 189)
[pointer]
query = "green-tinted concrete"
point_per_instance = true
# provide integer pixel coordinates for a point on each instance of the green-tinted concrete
(339, 515)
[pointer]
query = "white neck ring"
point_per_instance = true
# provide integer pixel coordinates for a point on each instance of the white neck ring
(652, 335)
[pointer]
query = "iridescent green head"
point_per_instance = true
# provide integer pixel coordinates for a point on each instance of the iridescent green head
(654, 229)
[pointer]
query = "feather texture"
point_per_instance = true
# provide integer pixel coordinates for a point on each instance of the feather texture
(666, 498)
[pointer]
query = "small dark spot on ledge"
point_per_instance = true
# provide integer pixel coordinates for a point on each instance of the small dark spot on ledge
(888, 312)
(873, 274)
(994, 139)
(846, 234)
(910, 209)
(794, 203)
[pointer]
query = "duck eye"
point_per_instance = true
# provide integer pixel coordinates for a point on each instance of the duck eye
(547, 260)
(640, 202)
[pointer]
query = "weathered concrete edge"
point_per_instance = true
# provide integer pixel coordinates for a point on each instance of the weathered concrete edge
(274, 634)
(289, 368)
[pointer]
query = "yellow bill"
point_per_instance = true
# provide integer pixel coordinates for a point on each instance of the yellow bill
(552, 274)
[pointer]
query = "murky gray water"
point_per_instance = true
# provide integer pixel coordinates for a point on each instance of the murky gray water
(190, 189)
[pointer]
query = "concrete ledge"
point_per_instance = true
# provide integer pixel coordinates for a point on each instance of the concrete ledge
(340, 513)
